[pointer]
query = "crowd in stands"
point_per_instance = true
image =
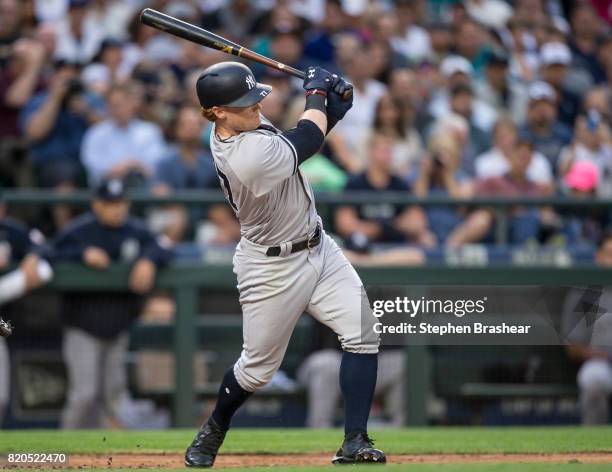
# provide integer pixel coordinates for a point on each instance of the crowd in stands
(452, 98)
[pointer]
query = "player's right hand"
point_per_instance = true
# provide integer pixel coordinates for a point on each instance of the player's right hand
(317, 78)
(337, 107)
(96, 258)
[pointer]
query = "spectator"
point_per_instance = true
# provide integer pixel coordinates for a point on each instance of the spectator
(122, 146)
(20, 79)
(55, 122)
(587, 29)
(525, 224)
(462, 104)
(555, 58)
(97, 324)
(189, 166)
(587, 336)
(320, 42)
(524, 60)
(542, 128)
(413, 41)
(585, 226)
(380, 222)
(456, 71)
(108, 68)
(238, 19)
(496, 161)
(499, 90)
(469, 41)
(390, 120)
(592, 142)
(319, 374)
(78, 37)
(441, 41)
(367, 92)
(441, 174)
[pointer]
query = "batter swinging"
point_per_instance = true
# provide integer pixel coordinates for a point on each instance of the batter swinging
(285, 263)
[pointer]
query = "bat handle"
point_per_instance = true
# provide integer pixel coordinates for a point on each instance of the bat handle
(346, 96)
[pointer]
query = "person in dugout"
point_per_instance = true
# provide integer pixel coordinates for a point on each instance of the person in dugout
(97, 324)
(22, 269)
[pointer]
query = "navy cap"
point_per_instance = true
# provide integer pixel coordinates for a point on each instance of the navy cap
(111, 189)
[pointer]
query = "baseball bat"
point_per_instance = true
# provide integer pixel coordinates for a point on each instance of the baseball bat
(198, 35)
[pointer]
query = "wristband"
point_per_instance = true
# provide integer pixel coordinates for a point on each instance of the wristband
(315, 100)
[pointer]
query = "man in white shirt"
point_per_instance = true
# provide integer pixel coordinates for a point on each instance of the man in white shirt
(495, 162)
(123, 145)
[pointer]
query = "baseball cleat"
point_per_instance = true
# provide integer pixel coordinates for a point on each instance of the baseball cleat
(5, 328)
(203, 450)
(357, 448)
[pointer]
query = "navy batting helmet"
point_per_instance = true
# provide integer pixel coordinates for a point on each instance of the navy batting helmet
(229, 84)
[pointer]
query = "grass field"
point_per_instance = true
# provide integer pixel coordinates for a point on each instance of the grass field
(420, 450)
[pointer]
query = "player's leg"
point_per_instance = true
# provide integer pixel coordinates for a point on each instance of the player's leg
(595, 383)
(273, 294)
(5, 375)
(319, 373)
(339, 301)
(82, 357)
(114, 377)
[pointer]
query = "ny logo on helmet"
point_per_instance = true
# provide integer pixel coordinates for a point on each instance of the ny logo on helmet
(250, 81)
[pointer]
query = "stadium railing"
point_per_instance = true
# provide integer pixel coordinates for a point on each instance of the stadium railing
(326, 202)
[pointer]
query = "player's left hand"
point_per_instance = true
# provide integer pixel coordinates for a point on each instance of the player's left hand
(337, 107)
(142, 276)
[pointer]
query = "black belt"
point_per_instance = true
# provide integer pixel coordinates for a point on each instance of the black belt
(307, 243)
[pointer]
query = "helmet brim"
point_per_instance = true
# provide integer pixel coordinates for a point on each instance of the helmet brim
(253, 96)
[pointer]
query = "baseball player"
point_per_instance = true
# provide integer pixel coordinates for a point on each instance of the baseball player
(285, 263)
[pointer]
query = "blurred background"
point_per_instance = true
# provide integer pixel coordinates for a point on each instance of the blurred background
(479, 148)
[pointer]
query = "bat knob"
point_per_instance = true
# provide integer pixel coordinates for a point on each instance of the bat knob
(346, 96)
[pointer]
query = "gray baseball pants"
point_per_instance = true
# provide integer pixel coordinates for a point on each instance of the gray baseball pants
(275, 291)
(97, 378)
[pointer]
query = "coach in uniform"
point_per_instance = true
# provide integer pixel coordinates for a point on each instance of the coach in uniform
(96, 324)
(285, 262)
(18, 245)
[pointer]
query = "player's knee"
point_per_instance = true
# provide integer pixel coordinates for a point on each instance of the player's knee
(254, 378)
(361, 346)
(595, 375)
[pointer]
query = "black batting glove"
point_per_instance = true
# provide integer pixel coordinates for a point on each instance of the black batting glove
(337, 107)
(317, 78)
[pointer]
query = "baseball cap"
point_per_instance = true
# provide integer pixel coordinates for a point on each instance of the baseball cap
(555, 53)
(452, 65)
(78, 3)
(583, 176)
(497, 57)
(542, 91)
(111, 189)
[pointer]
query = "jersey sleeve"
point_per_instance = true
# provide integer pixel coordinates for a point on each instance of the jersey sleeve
(264, 161)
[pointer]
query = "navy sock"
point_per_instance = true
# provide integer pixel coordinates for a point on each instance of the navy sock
(231, 397)
(357, 382)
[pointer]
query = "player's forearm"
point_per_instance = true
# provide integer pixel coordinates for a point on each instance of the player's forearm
(317, 117)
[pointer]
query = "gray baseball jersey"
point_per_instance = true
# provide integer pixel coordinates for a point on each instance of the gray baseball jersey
(262, 182)
(273, 201)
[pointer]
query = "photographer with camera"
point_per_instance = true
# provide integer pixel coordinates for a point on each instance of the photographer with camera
(54, 123)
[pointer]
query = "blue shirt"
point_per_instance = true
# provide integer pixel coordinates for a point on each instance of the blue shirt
(550, 145)
(64, 140)
(106, 145)
(177, 173)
